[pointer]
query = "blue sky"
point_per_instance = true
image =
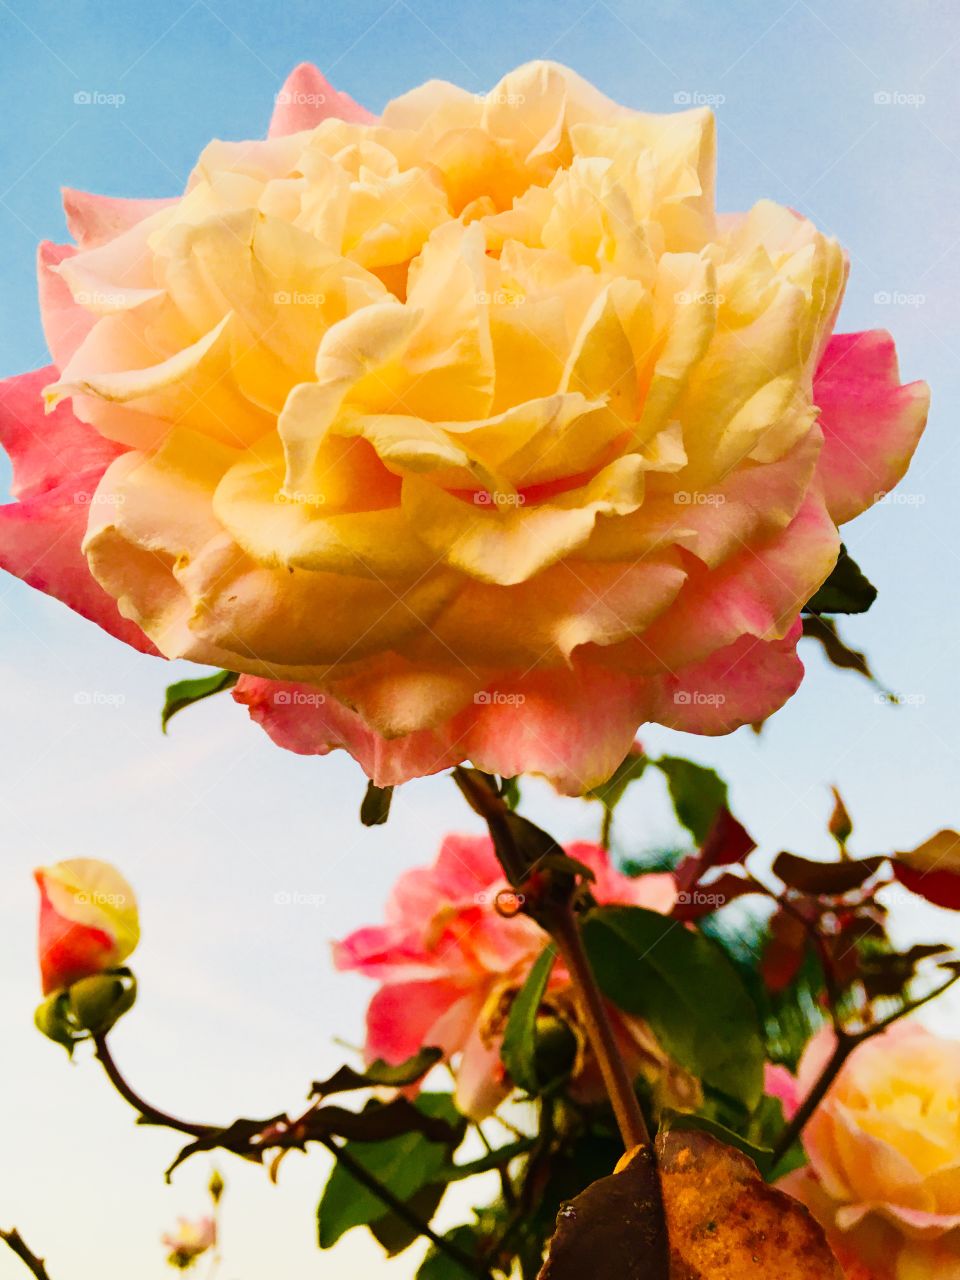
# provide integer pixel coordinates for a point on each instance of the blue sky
(850, 115)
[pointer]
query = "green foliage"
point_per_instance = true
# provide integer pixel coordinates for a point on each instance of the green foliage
(186, 692)
(847, 590)
(684, 986)
(519, 1048)
(696, 791)
(409, 1165)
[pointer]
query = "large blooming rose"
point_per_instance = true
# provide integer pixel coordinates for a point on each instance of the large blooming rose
(450, 963)
(884, 1150)
(468, 432)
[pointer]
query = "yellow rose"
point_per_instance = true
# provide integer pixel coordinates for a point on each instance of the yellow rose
(470, 431)
(884, 1150)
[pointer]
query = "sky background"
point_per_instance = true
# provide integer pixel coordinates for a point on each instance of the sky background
(850, 113)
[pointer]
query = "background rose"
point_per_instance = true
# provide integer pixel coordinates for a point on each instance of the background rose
(88, 920)
(450, 963)
(476, 417)
(884, 1151)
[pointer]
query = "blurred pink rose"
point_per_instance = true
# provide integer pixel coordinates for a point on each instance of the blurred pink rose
(884, 1151)
(449, 965)
(472, 432)
(190, 1241)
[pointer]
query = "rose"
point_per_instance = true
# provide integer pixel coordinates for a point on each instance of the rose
(449, 964)
(288, 387)
(884, 1151)
(88, 921)
(190, 1240)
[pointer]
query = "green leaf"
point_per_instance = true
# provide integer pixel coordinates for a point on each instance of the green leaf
(437, 1266)
(688, 991)
(498, 1159)
(510, 790)
(375, 809)
(185, 692)
(407, 1165)
(696, 791)
(847, 590)
(610, 793)
(379, 1074)
(518, 1051)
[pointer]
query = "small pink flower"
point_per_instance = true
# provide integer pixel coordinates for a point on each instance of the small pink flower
(449, 965)
(192, 1239)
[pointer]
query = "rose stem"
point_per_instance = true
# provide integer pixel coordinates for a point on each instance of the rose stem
(353, 1167)
(30, 1260)
(559, 920)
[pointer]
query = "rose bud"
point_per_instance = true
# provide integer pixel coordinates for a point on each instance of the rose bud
(88, 921)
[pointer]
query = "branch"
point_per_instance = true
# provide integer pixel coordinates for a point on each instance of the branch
(15, 1240)
(152, 1115)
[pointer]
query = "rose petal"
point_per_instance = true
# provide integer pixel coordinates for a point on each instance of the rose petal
(871, 424)
(306, 98)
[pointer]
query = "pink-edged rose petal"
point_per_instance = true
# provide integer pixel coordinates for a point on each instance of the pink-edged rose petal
(307, 98)
(871, 423)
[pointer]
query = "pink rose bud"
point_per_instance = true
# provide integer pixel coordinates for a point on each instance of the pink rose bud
(88, 921)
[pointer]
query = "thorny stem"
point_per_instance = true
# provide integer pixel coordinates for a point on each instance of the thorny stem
(16, 1242)
(560, 922)
(362, 1175)
(566, 933)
